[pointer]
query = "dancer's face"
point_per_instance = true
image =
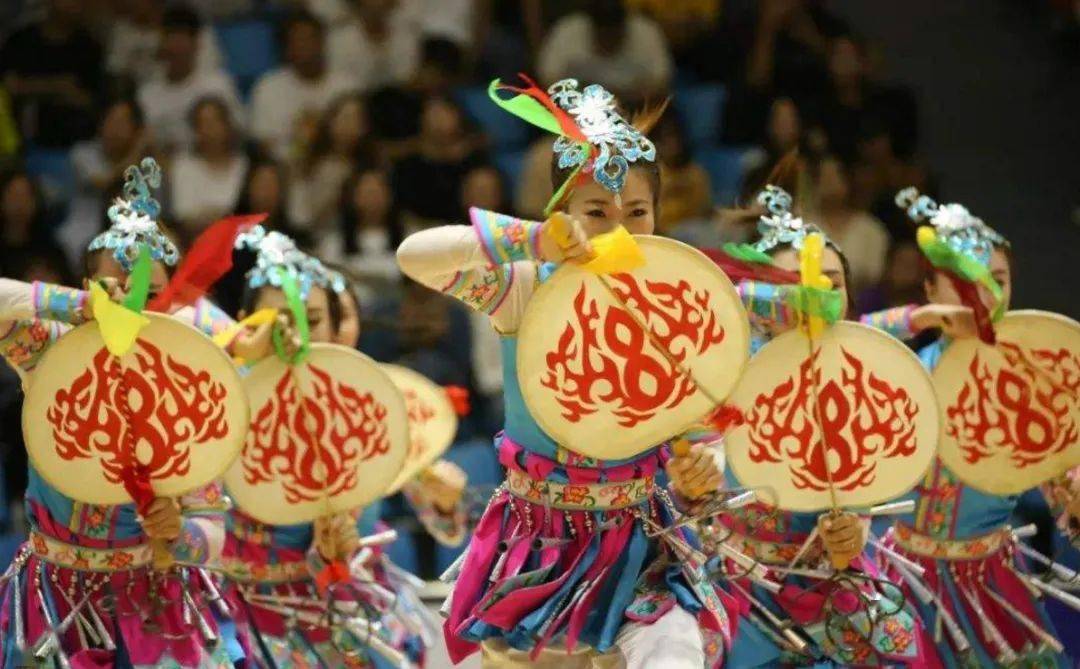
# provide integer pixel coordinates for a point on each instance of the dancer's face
(318, 311)
(940, 290)
(599, 211)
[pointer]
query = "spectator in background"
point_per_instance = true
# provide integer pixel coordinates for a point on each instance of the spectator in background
(704, 42)
(685, 195)
(286, 103)
(205, 183)
(783, 132)
(375, 45)
(369, 231)
(99, 166)
(53, 71)
(534, 185)
(265, 191)
(395, 110)
(168, 98)
(342, 143)
(880, 172)
(507, 33)
(24, 224)
(902, 282)
(135, 42)
(862, 237)
(483, 188)
(427, 183)
(605, 44)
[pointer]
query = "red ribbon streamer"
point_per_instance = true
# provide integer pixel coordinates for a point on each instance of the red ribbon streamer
(969, 296)
(741, 270)
(334, 573)
(459, 398)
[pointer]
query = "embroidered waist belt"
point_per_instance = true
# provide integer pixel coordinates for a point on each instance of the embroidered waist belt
(89, 559)
(610, 495)
(280, 572)
(772, 552)
(951, 549)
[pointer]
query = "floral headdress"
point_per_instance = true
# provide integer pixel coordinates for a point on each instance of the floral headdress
(593, 138)
(134, 220)
(953, 224)
(778, 225)
(276, 252)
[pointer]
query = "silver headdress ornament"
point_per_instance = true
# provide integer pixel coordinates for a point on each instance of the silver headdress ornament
(953, 223)
(276, 251)
(778, 225)
(134, 220)
(618, 142)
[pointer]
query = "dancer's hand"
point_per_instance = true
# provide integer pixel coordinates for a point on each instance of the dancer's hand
(563, 239)
(336, 536)
(844, 537)
(254, 343)
(163, 520)
(954, 320)
(696, 473)
(443, 484)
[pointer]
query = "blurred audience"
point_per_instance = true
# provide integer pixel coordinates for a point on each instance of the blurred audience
(376, 43)
(24, 224)
(205, 182)
(685, 195)
(783, 133)
(53, 70)
(534, 188)
(606, 44)
(369, 229)
(136, 40)
(901, 283)
(483, 188)
(286, 103)
(266, 191)
(168, 98)
(342, 143)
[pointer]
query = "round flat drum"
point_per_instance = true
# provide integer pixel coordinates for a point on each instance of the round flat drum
(602, 386)
(188, 410)
(326, 436)
(432, 421)
(1011, 411)
(877, 406)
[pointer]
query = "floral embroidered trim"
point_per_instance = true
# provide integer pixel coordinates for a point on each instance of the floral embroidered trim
(89, 559)
(482, 289)
(506, 239)
(26, 341)
(281, 572)
(580, 496)
(977, 548)
(772, 552)
(895, 321)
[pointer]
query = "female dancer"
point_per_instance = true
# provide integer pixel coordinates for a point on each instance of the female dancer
(568, 598)
(81, 550)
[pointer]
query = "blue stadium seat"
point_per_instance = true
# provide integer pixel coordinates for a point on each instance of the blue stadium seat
(505, 130)
(249, 48)
(700, 108)
(403, 551)
(725, 167)
(510, 164)
(52, 167)
(479, 459)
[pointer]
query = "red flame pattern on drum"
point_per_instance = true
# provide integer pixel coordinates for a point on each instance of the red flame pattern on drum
(312, 443)
(1026, 408)
(604, 361)
(866, 422)
(174, 407)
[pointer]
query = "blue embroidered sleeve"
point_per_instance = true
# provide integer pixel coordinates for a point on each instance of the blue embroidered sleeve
(766, 302)
(506, 239)
(895, 321)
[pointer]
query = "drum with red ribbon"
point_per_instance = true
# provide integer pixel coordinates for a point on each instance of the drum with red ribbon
(172, 409)
(868, 394)
(327, 435)
(612, 365)
(1012, 410)
(433, 421)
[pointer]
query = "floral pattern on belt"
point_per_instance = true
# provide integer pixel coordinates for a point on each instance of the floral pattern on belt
(951, 549)
(281, 572)
(89, 559)
(580, 496)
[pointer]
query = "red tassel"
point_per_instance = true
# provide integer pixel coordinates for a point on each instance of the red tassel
(136, 481)
(741, 270)
(459, 397)
(969, 295)
(209, 258)
(332, 574)
(724, 418)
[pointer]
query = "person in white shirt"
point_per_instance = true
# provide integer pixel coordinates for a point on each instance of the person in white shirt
(167, 100)
(287, 102)
(205, 183)
(625, 52)
(376, 44)
(135, 42)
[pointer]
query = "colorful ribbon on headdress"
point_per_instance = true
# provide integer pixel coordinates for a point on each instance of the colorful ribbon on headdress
(966, 274)
(209, 259)
(291, 288)
(533, 105)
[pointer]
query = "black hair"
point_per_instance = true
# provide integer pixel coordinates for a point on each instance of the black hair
(137, 115)
(216, 102)
(444, 54)
(350, 216)
(181, 19)
(296, 18)
(336, 307)
(365, 149)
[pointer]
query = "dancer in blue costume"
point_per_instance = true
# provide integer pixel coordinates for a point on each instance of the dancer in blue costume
(550, 575)
(775, 537)
(983, 613)
(77, 549)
